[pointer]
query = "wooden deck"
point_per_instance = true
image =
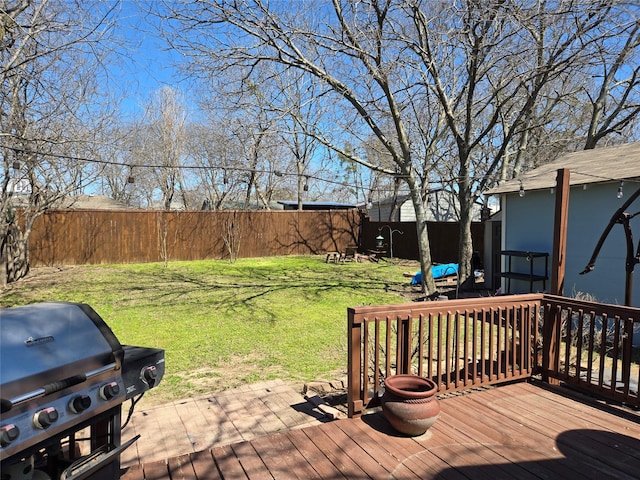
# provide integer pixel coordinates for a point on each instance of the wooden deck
(518, 431)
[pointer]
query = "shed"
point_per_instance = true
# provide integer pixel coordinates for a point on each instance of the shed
(600, 182)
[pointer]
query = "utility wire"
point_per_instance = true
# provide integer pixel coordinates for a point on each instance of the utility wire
(442, 181)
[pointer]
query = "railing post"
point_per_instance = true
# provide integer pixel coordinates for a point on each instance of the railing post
(552, 314)
(404, 345)
(627, 351)
(354, 365)
(558, 259)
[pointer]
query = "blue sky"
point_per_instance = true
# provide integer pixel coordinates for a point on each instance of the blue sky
(147, 64)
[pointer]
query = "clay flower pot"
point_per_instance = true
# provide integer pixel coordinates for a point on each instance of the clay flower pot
(410, 404)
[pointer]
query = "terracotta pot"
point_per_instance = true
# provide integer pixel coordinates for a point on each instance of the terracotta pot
(410, 404)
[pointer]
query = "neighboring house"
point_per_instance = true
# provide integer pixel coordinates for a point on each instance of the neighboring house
(91, 202)
(76, 202)
(442, 206)
(527, 222)
(293, 205)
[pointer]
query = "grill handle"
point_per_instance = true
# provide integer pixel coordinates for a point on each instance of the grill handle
(5, 405)
(53, 387)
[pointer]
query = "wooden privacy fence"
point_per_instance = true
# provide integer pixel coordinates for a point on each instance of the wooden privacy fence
(64, 237)
(474, 342)
(443, 239)
(77, 237)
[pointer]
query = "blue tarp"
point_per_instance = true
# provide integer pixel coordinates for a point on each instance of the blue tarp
(438, 271)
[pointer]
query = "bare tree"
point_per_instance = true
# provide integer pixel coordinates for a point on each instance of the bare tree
(345, 60)
(245, 136)
(614, 104)
(114, 166)
(507, 75)
(212, 150)
(163, 144)
(451, 91)
(268, 114)
(299, 112)
(51, 62)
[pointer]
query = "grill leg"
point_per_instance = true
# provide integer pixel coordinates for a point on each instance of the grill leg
(107, 432)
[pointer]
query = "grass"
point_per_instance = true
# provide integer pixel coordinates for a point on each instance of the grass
(221, 324)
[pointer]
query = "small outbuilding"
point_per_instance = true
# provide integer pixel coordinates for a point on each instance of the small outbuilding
(601, 180)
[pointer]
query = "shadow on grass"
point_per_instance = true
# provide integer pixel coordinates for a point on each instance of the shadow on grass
(249, 289)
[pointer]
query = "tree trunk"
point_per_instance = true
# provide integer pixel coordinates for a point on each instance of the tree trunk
(17, 254)
(428, 284)
(465, 242)
(3, 266)
(465, 248)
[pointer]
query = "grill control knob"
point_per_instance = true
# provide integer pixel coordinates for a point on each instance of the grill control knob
(80, 403)
(149, 375)
(45, 418)
(109, 390)
(8, 433)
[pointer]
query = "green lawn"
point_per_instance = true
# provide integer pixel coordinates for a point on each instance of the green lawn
(222, 324)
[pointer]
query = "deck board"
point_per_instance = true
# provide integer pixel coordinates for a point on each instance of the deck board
(335, 453)
(322, 466)
(181, 468)
(204, 465)
(156, 471)
(536, 432)
(228, 464)
(364, 458)
(519, 431)
(251, 461)
(387, 459)
(275, 457)
(562, 421)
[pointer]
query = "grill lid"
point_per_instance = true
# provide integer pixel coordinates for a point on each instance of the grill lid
(49, 342)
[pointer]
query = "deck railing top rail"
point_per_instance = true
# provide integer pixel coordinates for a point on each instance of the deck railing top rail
(359, 314)
(609, 309)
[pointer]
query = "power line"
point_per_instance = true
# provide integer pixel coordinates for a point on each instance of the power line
(196, 167)
(441, 181)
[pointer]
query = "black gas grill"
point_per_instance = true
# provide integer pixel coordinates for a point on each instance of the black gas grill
(63, 379)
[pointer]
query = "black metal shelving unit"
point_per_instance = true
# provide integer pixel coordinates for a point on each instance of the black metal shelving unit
(529, 276)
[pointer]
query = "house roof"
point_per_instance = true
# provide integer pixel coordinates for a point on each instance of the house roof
(608, 164)
(91, 202)
(404, 197)
(316, 205)
(75, 202)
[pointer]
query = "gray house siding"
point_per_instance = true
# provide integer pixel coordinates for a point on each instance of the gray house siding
(530, 222)
(440, 208)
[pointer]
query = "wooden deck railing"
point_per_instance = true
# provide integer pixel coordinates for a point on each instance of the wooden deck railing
(589, 346)
(460, 344)
(467, 343)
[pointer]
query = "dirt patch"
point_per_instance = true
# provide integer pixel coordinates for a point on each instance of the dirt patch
(48, 274)
(44, 282)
